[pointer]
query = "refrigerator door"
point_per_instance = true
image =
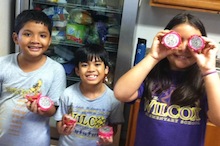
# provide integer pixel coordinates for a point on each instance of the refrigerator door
(7, 20)
(111, 22)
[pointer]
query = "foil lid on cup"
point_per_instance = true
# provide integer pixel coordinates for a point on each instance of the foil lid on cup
(105, 131)
(171, 40)
(44, 103)
(197, 43)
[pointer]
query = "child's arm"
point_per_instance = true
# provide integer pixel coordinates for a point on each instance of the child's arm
(126, 87)
(206, 60)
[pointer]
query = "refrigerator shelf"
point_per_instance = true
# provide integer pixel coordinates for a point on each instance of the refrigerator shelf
(109, 46)
(85, 7)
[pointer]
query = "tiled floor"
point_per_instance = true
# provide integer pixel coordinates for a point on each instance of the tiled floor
(53, 143)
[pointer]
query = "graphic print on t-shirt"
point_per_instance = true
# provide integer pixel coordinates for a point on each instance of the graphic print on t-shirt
(160, 109)
(89, 120)
(16, 107)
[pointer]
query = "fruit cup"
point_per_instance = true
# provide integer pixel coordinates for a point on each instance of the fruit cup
(69, 120)
(44, 102)
(32, 96)
(197, 43)
(171, 40)
(105, 131)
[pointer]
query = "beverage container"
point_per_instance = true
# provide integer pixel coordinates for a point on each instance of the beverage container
(140, 50)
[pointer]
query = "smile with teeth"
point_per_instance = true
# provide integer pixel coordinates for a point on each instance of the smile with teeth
(91, 76)
(34, 47)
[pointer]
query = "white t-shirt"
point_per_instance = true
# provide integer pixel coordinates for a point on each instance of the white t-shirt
(18, 125)
(90, 115)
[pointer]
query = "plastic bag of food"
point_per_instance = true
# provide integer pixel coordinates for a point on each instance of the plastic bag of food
(80, 17)
(76, 32)
(56, 13)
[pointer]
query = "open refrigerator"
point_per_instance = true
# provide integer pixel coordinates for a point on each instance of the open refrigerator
(76, 22)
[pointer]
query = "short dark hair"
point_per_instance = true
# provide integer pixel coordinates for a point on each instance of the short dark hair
(89, 52)
(32, 15)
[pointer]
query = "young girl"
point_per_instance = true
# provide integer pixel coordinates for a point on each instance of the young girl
(90, 102)
(179, 88)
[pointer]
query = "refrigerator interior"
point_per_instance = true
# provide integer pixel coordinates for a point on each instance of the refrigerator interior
(77, 22)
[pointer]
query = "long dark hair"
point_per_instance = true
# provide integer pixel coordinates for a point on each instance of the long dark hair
(190, 87)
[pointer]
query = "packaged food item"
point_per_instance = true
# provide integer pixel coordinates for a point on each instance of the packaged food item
(80, 16)
(33, 96)
(101, 3)
(56, 13)
(58, 35)
(98, 33)
(197, 43)
(54, 1)
(76, 32)
(105, 131)
(69, 120)
(44, 103)
(62, 1)
(59, 16)
(171, 40)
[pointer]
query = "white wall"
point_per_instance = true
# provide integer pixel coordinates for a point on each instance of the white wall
(6, 14)
(153, 19)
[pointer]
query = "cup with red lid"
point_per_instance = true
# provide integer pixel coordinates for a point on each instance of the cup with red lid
(105, 131)
(45, 103)
(196, 42)
(69, 120)
(32, 96)
(171, 40)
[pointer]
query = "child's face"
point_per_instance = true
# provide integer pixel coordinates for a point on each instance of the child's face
(33, 39)
(182, 58)
(92, 72)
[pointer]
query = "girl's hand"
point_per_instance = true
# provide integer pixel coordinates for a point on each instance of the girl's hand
(158, 50)
(105, 141)
(206, 59)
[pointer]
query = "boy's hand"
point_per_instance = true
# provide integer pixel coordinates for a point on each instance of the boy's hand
(63, 128)
(105, 140)
(33, 107)
(66, 130)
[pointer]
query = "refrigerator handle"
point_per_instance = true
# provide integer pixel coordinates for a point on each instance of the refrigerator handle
(21, 5)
